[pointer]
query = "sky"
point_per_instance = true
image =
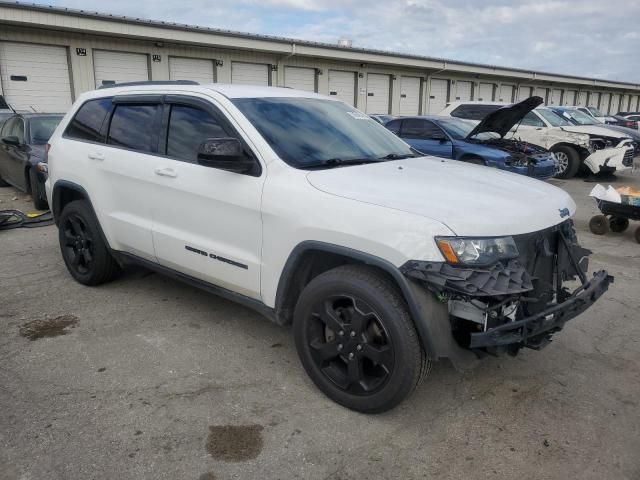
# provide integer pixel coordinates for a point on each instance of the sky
(592, 38)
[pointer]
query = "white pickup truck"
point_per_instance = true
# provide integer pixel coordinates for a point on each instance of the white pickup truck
(310, 212)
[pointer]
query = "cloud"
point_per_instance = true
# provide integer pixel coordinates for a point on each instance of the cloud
(586, 38)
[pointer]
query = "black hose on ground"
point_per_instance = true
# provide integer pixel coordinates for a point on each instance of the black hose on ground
(15, 219)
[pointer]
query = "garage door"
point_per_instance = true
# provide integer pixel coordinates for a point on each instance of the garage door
(604, 103)
(506, 93)
(555, 97)
(624, 104)
(464, 91)
(119, 67)
(615, 104)
(524, 93)
(569, 97)
(342, 85)
(581, 98)
(485, 92)
(35, 77)
(249, 73)
(593, 99)
(378, 93)
(542, 92)
(410, 95)
(438, 95)
(300, 78)
(633, 103)
(196, 69)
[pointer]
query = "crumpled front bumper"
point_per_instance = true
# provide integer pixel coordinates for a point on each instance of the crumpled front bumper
(534, 331)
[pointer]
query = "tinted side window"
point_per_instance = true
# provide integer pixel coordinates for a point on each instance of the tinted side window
(86, 124)
(394, 126)
(132, 127)
(188, 128)
(532, 120)
(7, 127)
(413, 128)
(473, 112)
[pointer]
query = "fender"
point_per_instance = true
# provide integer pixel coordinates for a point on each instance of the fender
(416, 307)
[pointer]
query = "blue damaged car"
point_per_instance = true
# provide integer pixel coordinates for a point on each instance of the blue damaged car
(480, 143)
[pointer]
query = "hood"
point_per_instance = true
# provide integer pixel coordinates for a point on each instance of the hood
(594, 130)
(503, 119)
(471, 200)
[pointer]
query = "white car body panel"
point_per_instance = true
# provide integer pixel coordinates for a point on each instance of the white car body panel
(391, 210)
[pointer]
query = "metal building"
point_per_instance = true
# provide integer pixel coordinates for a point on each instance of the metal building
(49, 55)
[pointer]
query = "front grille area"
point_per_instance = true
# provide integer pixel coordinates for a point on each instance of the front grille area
(627, 160)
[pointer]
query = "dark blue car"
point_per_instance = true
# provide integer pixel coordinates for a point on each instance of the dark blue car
(482, 144)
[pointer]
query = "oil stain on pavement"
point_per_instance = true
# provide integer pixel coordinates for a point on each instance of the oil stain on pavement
(231, 443)
(50, 327)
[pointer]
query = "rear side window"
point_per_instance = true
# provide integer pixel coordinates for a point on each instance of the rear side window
(87, 123)
(188, 128)
(473, 112)
(394, 126)
(531, 120)
(133, 127)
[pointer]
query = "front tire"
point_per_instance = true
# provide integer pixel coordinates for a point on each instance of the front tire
(37, 191)
(567, 162)
(356, 339)
(85, 254)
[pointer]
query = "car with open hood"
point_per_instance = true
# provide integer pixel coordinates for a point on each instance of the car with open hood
(313, 214)
(594, 147)
(457, 139)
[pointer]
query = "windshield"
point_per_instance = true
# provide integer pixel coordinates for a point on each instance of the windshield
(459, 129)
(308, 131)
(553, 118)
(595, 112)
(42, 128)
(578, 117)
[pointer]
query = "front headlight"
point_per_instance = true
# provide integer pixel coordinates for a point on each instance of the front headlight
(476, 251)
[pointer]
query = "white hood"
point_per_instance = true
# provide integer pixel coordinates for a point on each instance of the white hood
(471, 200)
(594, 130)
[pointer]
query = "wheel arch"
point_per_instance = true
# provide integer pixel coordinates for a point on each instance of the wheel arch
(65, 192)
(582, 152)
(311, 258)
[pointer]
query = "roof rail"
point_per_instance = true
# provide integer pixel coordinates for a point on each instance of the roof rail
(150, 82)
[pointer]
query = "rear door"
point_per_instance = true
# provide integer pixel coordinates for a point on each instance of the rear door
(114, 143)
(14, 157)
(207, 222)
(426, 137)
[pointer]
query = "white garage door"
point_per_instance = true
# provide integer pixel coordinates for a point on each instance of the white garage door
(556, 97)
(569, 97)
(196, 69)
(604, 103)
(615, 103)
(378, 92)
(35, 77)
(463, 91)
(524, 93)
(438, 95)
(119, 67)
(542, 92)
(633, 103)
(581, 98)
(342, 85)
(593, 99)
(506, 93)
(624, 104)
(485, 92)
(249, 73)
(410, 95)
(300, 78)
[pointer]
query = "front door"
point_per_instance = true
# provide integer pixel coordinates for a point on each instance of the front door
(207, 222)
(426, 137)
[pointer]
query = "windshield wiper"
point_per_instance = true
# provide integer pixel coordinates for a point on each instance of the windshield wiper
(339, 162)
(397, 156)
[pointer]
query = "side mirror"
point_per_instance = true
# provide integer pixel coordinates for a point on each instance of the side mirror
(225, 154)
(11, 140)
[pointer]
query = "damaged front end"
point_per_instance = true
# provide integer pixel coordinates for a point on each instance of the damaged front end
(519, 300)
(523, 154)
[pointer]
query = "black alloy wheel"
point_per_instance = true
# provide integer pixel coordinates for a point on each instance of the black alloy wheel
(349, 344)
(78, 244)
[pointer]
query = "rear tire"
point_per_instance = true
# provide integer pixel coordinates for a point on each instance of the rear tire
(85, 254)
(618, 224)
(567, 161)
(356, 339)
(599, 225)
(37, 191)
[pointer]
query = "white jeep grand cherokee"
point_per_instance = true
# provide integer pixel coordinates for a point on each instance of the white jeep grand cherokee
(307, 210)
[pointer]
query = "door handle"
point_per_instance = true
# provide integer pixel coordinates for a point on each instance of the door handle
(166, 172)
(96, 156)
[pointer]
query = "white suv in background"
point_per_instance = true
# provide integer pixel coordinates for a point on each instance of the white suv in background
(597, 148)
(310, 212)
